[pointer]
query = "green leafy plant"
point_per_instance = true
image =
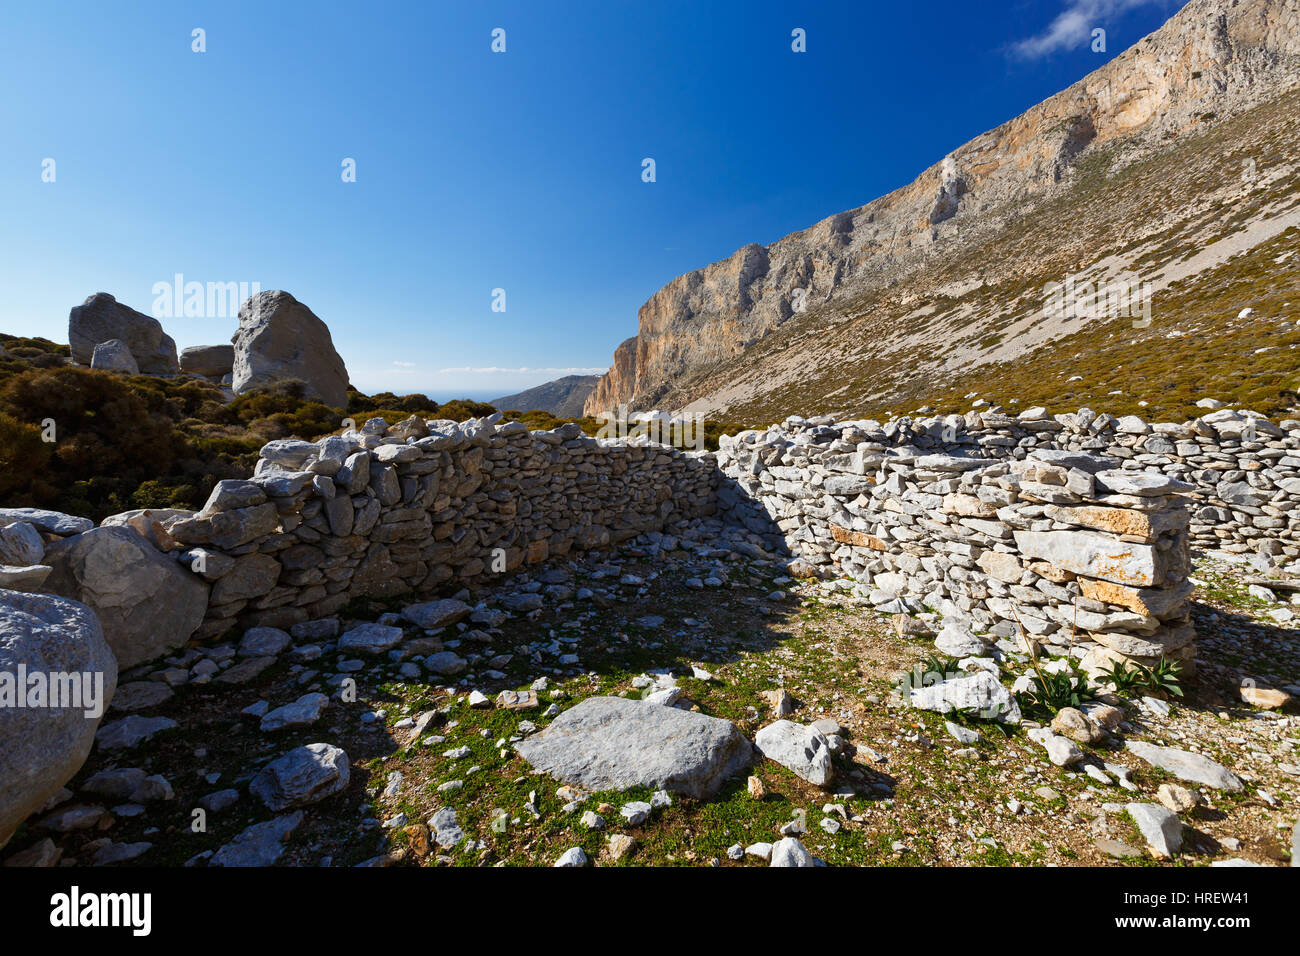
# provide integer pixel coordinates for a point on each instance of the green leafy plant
(1124, 677)
(939, 664)
(1165, 676)
(972, 717)
(1050, 692)
(1127, 678)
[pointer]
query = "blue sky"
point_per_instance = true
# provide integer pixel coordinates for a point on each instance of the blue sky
(477, 170)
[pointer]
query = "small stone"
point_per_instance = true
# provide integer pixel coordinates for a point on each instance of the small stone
(303, 712)
(263, 642)
(573, 856)
(1265, 698)
(258, 845)
(1121, 851)
(304, 775)
(119, 853)
(131, 731)
(41, 853)
(1077, 726)
(782, 704)
(962, 735)
(620, 845)
(517, 700)
(370, 638)
(636, 812)
(1159, 826)
(1176, 798)
(1097, 774)
(446, 828)
(803, 750)
(790, 852)
(216, 802)
(1060, 751)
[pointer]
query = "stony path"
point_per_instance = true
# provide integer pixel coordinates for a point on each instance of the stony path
(417, 762)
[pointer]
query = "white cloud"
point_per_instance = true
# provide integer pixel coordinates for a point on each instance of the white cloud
(495, 370)
(1073, 26)
(404, 364)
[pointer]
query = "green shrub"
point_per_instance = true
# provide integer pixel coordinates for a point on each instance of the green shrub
(23, 457)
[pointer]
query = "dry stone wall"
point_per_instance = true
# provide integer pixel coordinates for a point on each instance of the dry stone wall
(1244, 469)
(419, 507)
(1083, 556)
(1075, 528)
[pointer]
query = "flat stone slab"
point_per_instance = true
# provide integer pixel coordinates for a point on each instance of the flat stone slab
(304, 775)
(436, 613)
(1159, 826)
(1187, 766)
(258, 845)
(371, 638)
(610, 743)
(1141, 483)
(517, 699)
(1094, 555)
(981, 692)
(303, 712)
(131, 731)
(51, 522)
(804, 750)
(140, 695)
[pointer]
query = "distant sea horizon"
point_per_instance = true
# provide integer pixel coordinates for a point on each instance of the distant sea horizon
(444, 395)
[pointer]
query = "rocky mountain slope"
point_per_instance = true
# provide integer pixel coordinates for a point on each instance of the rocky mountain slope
(563, 397)
(1162, 166)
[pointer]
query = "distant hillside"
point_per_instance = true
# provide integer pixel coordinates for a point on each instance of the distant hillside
(1172, 169)
(563, 397)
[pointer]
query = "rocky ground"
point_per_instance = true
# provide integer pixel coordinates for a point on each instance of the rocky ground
(413, 758)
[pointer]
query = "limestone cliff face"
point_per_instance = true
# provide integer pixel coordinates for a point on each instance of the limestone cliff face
(1214, 58)
(620, 381)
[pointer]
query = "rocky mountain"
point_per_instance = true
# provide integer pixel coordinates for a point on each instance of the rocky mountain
(563, 397)
(1162, 169)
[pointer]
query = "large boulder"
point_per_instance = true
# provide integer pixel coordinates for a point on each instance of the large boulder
(610, 743)
(114, 356)
(101, 318)
(146, 601)
(41, 748)
(279, 338)
(210, 361)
